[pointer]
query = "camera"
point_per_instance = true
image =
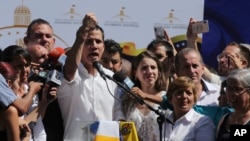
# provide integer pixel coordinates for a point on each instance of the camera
(200, 27)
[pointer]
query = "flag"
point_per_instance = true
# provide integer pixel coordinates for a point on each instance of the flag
(228, 21)
(105, 131)
(128, 131)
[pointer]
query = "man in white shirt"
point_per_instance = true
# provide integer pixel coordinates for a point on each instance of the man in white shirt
(189, 63)
(84, 95)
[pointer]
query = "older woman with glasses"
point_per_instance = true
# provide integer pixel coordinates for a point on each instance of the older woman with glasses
(238, 95)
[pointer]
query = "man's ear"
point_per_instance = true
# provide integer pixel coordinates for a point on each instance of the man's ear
(244, 63)
(25, 40)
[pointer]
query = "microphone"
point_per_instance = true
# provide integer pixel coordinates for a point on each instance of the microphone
(54, 77)
(50, 73)
(98, 66)
(126, 84)
(62, 59)
(54, 56)
(120, 77)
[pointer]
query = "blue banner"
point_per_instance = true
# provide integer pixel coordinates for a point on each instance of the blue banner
(228, 21)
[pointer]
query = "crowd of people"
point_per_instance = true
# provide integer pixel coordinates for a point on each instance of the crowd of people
(195, 102)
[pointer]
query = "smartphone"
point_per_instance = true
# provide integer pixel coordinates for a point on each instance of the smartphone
(159, 32)
(200, 27)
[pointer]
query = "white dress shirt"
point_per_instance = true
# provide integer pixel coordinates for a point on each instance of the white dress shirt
(85, 99)
(209, 95)
(190, 127)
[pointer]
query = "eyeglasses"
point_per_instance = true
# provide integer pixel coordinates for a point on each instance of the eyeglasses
(221, 56)
(236, 90)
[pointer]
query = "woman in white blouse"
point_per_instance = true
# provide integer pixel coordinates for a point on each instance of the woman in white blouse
(148, 76)
(188, 124)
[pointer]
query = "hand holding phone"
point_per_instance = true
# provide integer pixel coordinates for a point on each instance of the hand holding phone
(159, 32)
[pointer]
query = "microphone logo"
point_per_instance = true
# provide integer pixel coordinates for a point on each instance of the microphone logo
(128, 83)
(121, 77)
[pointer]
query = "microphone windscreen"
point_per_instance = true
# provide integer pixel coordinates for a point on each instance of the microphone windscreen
(119, 76)
(122, 78)
(96, 65)
(55, 54)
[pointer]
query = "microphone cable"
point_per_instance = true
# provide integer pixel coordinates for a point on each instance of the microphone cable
(116, 98)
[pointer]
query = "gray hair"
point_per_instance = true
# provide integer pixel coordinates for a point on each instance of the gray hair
(183, 52)
(242, 75)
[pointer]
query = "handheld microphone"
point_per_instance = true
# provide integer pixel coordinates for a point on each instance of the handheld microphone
(98, 66)
(62, 59)
(126, 84)
(53, 80)
(120, 77)
(54, 55)
(40, 76)
(54, 77)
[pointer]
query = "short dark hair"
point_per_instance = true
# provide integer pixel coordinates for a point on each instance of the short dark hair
(245, 52)
(36, 22)
(15, 50)
(157, 42)
(98, 27)
(111, 47)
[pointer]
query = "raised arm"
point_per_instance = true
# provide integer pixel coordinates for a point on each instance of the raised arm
(191, 37)
(74, 55)
(191, 42)
(170, 41)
